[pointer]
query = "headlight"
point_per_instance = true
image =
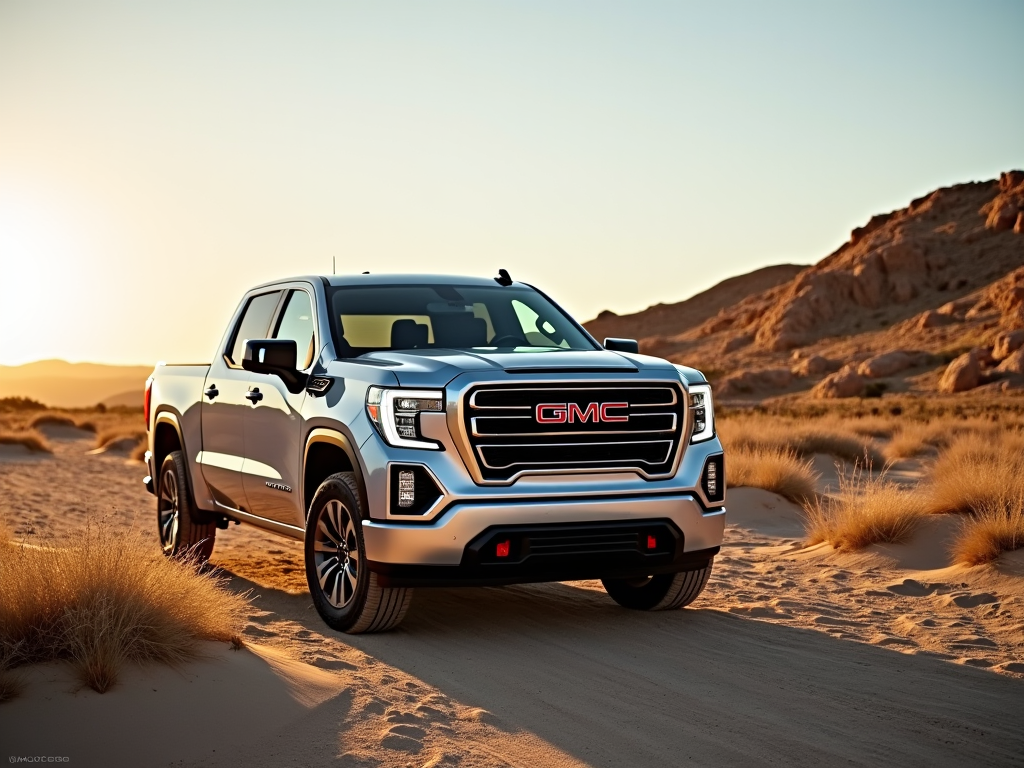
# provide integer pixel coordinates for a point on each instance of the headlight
(396, 414)
(703, 413)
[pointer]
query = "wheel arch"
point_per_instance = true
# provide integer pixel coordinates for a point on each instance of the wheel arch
(328, 451)
(167, 438)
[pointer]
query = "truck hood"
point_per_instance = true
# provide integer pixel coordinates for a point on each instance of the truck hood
(437, 367)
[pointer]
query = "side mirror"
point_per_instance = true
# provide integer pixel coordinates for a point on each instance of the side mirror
(622, 345)
(277, 357)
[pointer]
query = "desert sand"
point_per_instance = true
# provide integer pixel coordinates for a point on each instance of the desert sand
(793, 655)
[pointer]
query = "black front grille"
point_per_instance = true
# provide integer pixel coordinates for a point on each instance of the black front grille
(533, 428)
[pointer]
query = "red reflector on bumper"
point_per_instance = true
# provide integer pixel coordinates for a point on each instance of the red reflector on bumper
(503, 548)
(652, 542)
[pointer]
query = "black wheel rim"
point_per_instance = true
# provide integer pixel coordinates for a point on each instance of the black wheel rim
(336, 553)
(168, 511)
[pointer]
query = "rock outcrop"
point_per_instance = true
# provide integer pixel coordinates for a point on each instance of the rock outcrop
(1006, 344)
(889, 363)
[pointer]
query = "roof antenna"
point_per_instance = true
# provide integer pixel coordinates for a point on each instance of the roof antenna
(503, 278)
(334, 265)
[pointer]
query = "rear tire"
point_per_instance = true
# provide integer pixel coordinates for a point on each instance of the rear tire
(183, 532)
(346, 594)
(663, 592)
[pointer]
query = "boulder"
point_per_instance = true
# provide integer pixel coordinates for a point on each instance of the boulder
(815, 365)
(962, 374)
(1013, 364)
(748, 381)
(1018, 227)
(933, 319)
(1006, 344)
(737, 342)
(886, 364)
(844, 383)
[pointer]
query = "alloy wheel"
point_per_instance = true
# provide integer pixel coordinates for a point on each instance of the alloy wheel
(168, 511)
(336, 553)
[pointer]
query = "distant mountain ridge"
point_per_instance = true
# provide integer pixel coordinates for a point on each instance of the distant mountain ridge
(940, 282)
(61, 384)
(671, 319)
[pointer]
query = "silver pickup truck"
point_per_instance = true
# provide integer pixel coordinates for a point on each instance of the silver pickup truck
(422, 430)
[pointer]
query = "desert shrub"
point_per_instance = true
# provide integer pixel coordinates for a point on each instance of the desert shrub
(102, 598)
(916, 438)
(112, 435)
(777, 470)
(995, 527)
(31, 440)
(977, 471)
(871, 426)
(869, 509)
(20, 404)
(805, 438)
(51, 420)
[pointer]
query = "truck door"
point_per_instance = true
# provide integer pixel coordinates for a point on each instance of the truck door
(225, 405)
(273, 425)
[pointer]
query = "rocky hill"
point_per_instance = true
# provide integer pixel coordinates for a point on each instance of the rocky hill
(927, 298)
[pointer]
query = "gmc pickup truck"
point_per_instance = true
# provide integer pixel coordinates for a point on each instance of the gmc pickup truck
(419, 430)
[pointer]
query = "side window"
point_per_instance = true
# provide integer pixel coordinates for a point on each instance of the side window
(296, 323)
(255, 323)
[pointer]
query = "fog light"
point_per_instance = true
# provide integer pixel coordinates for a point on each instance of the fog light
(713, 479)
(406, 488)
(652, 543)
(503, 548)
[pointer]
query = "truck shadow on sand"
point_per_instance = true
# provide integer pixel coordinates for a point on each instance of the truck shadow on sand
(616, 687)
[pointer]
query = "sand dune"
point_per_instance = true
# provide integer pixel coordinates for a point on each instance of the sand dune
(793, 656)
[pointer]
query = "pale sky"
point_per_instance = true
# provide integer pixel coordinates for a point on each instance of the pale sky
(158, 159)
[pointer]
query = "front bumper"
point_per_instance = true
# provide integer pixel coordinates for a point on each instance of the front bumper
(441, 551)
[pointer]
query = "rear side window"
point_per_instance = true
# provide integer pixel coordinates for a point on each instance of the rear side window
(255, 323)
(296, 323)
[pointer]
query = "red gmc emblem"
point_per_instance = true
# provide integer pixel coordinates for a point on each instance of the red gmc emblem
(562, 413)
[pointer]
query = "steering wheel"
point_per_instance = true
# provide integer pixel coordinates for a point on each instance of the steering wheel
(516, 341)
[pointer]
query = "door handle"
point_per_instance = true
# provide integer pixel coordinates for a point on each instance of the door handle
(212, 391)
(254, 395)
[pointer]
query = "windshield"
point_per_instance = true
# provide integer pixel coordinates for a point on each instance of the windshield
(384, 317)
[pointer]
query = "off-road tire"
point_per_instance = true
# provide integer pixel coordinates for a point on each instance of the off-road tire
(184, 531)
(663, 592)
(346, 594)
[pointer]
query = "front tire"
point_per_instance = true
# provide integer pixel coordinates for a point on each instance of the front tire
(182, 535)
(663, 592)
(346, 594)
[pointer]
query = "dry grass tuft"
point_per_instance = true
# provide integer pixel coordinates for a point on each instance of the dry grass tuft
(923, 437)
(805, 438)
(51, 420)
(777, 470)
(110, 436)
(977, 472)
(995, 528)
(869, 509)
(104, 599)
(31, 440)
